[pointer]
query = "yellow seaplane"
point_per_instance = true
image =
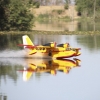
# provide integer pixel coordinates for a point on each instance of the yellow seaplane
(48, 66)
(49, 50)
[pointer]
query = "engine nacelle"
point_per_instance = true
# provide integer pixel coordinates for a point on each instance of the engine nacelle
(51, 44)
(65, 45)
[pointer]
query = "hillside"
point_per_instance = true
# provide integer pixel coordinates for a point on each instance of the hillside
(71, 12)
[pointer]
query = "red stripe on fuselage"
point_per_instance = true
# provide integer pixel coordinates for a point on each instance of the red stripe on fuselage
(65, 56)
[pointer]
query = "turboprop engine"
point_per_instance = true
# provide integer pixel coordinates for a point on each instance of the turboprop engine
(51, 44)
(65, 45)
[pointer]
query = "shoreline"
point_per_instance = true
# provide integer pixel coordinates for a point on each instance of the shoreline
(51, 32)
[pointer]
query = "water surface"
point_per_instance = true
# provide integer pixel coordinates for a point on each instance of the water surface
(80, 83)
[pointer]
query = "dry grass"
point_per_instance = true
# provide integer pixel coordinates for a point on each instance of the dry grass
(48, 10)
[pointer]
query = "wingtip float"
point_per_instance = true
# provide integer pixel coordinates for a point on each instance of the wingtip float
(51, 49)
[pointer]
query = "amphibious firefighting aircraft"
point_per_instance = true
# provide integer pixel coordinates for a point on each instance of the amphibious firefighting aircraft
(48, 66)
(49, 50)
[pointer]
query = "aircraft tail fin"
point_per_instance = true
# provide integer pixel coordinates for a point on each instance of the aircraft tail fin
(26, 41)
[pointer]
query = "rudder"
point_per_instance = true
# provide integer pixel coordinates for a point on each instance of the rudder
(26, 41)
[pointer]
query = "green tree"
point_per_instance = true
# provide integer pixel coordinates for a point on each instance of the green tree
(66, 6)
(35, 4)
(16, 15)
(3, 15)
(86, 7)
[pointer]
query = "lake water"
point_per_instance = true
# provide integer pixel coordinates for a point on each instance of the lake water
(78, 82)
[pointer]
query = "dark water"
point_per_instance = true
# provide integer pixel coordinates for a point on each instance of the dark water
(77, 82)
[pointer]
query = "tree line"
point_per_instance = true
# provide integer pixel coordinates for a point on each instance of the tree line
(16, 15)
(50, 2)
(88, 8)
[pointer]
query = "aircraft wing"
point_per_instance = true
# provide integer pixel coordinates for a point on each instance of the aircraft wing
(27, 46)
(32, 47)
(41, 46)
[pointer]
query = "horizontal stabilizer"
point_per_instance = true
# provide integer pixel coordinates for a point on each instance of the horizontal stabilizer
(27, 46)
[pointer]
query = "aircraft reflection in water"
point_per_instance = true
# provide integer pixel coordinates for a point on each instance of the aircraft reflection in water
(50, 66)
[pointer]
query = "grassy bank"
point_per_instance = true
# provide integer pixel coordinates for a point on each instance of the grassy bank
(52, 32)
